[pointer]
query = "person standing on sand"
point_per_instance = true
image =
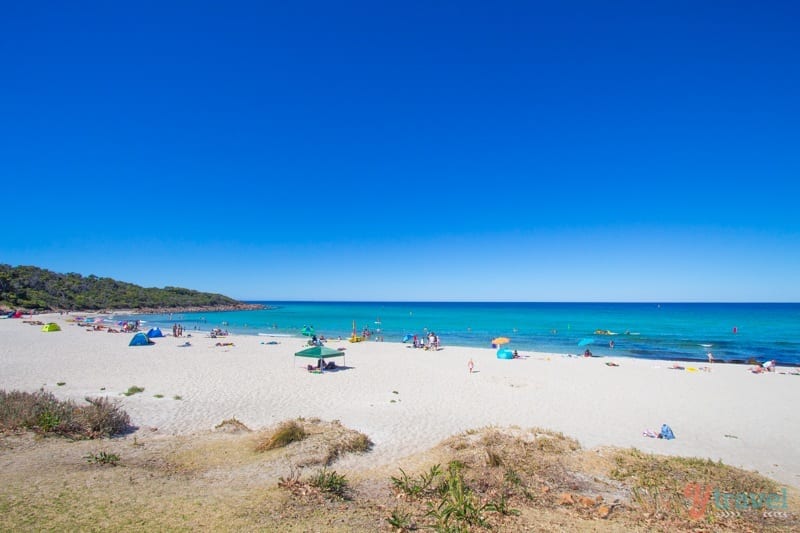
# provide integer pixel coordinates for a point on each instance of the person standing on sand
(471, 365)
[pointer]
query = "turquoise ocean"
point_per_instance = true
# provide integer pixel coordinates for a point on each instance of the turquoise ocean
(734, 333)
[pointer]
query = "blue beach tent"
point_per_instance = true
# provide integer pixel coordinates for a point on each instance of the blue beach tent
(140, 339)
(155, 332)
(505, 353)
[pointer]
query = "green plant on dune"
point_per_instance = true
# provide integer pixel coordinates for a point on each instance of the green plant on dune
(102, 458)
(330, 482)
(459, 508)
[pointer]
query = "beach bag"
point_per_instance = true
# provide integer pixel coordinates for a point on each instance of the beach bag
(666, 432)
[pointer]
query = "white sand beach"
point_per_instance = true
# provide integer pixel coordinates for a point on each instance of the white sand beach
(407, 400)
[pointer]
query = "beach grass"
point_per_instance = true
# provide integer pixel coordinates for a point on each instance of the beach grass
(285, 434)
(42, 412)
(217, 481)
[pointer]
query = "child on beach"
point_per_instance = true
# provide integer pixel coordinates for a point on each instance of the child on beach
(471, 366)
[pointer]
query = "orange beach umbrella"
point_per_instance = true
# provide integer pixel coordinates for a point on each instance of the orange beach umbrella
(501, 340)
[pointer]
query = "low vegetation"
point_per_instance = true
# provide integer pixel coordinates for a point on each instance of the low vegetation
(133, 389)
(491, 479)
(41, 412)
(330, 482)
(102, 458)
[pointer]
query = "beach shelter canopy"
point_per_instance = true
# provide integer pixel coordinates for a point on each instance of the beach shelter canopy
(52, 326)
(140, 339)
(320, 352)
(155, 332)
(586, 342)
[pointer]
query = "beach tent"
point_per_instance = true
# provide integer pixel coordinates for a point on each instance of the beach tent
(140, 339)
(505, 353)
(52, 326)
(154, 332)
(407, 337)
(16, 314)
(320, 352)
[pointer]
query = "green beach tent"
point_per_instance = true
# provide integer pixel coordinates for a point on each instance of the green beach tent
(319, 352)
(52, 326)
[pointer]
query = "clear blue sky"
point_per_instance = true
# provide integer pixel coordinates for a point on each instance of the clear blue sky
(536, 151)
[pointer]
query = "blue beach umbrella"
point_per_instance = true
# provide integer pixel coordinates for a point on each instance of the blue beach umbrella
(586, 342)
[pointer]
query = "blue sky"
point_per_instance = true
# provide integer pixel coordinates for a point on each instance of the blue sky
(531, 151)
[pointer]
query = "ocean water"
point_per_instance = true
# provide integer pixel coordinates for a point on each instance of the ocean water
(734, 333)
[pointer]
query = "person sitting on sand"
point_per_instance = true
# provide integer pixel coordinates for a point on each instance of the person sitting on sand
(587, 353)
(769, 366)
(516, 355)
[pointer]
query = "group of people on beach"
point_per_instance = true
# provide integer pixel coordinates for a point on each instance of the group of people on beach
(429, 342)
(321, 365)
(177, 330)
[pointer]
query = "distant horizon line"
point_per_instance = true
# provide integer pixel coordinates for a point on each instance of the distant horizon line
(653, 302)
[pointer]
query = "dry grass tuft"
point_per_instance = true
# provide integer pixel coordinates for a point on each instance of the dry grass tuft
(232, 425)
(286, 433)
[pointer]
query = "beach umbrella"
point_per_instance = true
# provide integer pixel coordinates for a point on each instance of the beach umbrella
(501, 340)
(585, 342)
(307, 331)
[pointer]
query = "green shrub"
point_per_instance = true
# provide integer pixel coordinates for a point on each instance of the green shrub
(133, 390)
